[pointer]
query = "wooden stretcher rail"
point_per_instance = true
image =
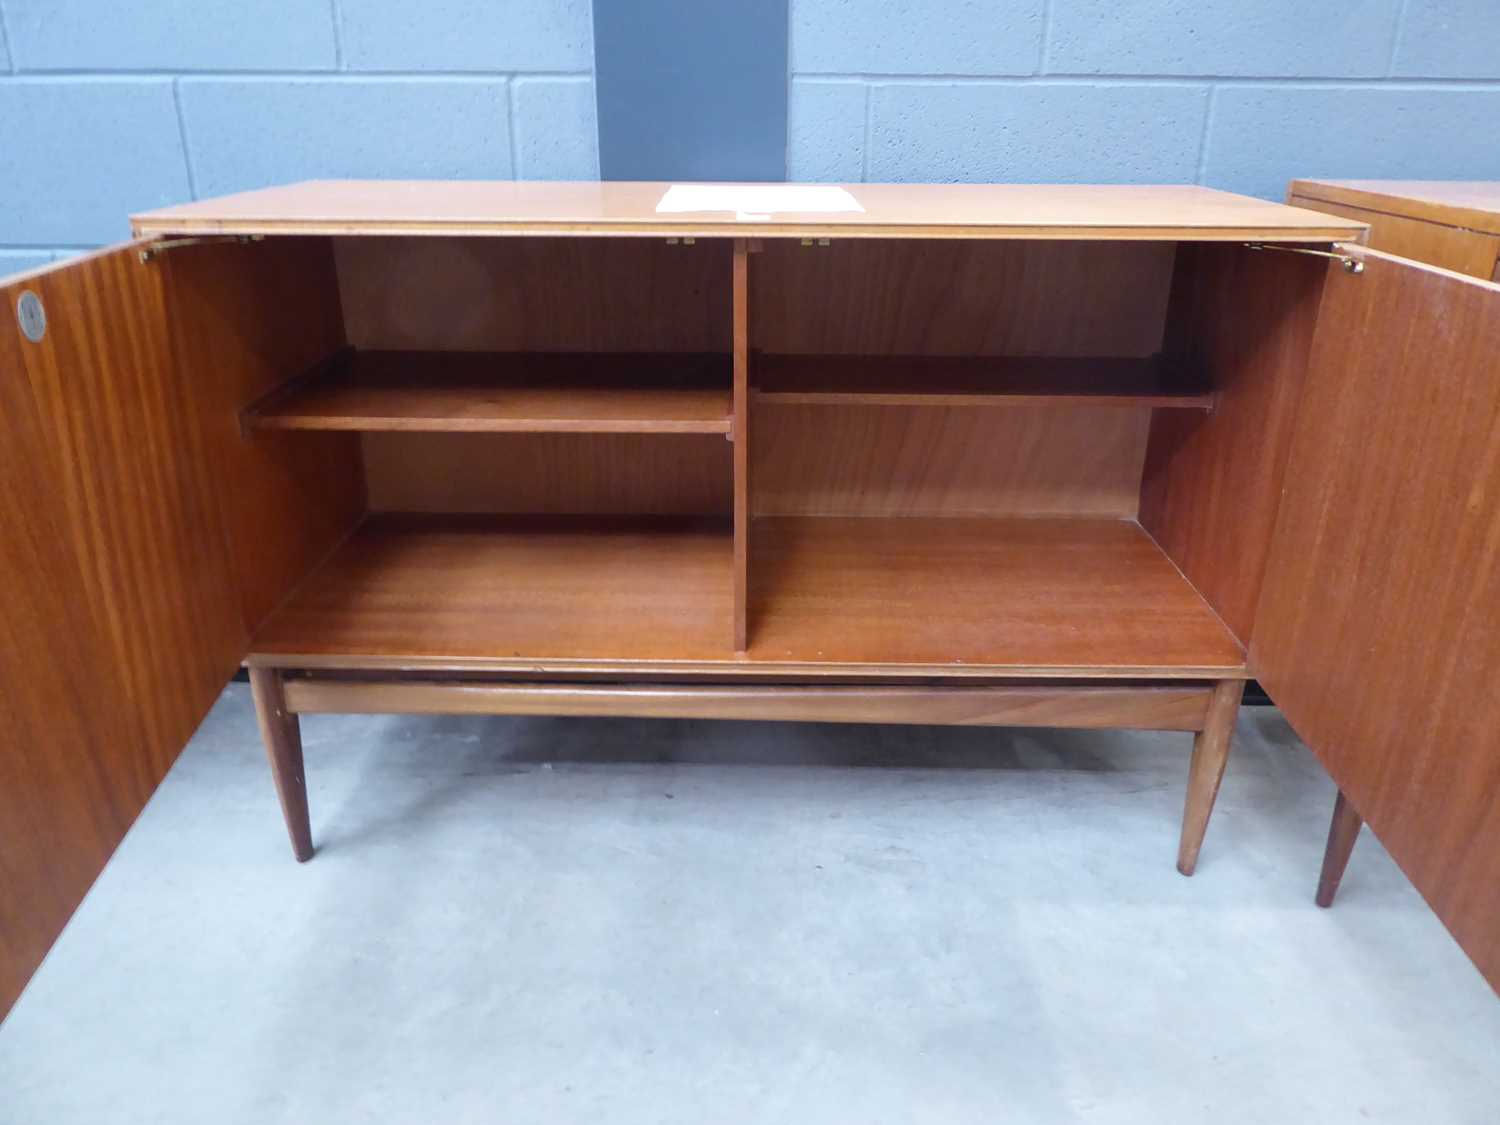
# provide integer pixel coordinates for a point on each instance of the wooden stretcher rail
(1182, 707)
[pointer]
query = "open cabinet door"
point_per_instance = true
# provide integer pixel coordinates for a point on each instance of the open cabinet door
(118, 620)
(1378, 629)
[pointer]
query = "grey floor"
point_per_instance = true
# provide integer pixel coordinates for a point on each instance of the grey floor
(538, 920)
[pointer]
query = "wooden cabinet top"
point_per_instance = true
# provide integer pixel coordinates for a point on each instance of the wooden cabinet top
(1473, 204)
(1051, 211)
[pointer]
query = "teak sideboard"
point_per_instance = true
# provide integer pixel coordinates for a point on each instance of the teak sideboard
(1454, 224)
(1059, 456)
(1450, 223)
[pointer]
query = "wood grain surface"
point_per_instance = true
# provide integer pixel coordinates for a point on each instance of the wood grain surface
(510, 392)
(1474, 204)
(967, 298)
(1376, 628)
(244, 320)
(1032, 597)
(1040, 596)
(450, 588)
(1178, 707)
(1343, 834)
(282, 735)
(1058, 211)
(70, 754)
(1206, 770)
(947, 461)
(535, 294)
(1242, 320)
(739, 298)
(119, 615)
(641, 474)
(1398, 231)
(839, 380)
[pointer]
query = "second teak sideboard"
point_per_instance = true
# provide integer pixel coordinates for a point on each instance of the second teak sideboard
(1005, 455)
(1453, 224)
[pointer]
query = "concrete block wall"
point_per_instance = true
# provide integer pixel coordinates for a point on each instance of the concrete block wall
(1237, 94)
(108, 107)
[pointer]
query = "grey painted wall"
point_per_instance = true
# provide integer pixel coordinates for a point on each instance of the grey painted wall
(691, 89)
(1238, 94)
(108, 108)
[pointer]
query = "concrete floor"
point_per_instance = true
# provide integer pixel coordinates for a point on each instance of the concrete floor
(538, 920)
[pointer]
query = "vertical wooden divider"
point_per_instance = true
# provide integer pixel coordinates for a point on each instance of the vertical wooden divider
(740, 435)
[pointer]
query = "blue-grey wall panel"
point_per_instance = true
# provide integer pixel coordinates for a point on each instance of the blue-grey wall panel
(109, 106)
(826, 130)
(881, 89)
(1034, 132)
(1233, 94)
(19, 261)
(467, 35)
(553, 128)
(77, 159)
(1449, 39)
(1257, 38)
(1262, 136)
(171, 35)
(254, 132)
(909, 37)
(691, 89)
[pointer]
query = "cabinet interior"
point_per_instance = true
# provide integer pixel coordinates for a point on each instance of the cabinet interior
(962, 457)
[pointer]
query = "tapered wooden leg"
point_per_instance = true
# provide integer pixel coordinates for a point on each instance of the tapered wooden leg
(1342, 833)
(1210, 753)
(283, 738)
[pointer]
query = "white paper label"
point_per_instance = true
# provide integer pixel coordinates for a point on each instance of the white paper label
(758, 202)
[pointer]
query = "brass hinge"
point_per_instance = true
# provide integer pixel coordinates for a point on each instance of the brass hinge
(156, 249)
(1350, 263)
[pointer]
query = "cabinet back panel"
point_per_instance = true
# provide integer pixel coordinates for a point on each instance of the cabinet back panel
(645, 474)
(958, 298)
(535, 294)
(1022, 298)
(939, 460)
(1243, 320)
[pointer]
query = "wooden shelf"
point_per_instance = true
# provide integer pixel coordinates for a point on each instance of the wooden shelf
(972, 381)
(828, 596)
(1031, 596)
(492, 392)
(447, 590)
